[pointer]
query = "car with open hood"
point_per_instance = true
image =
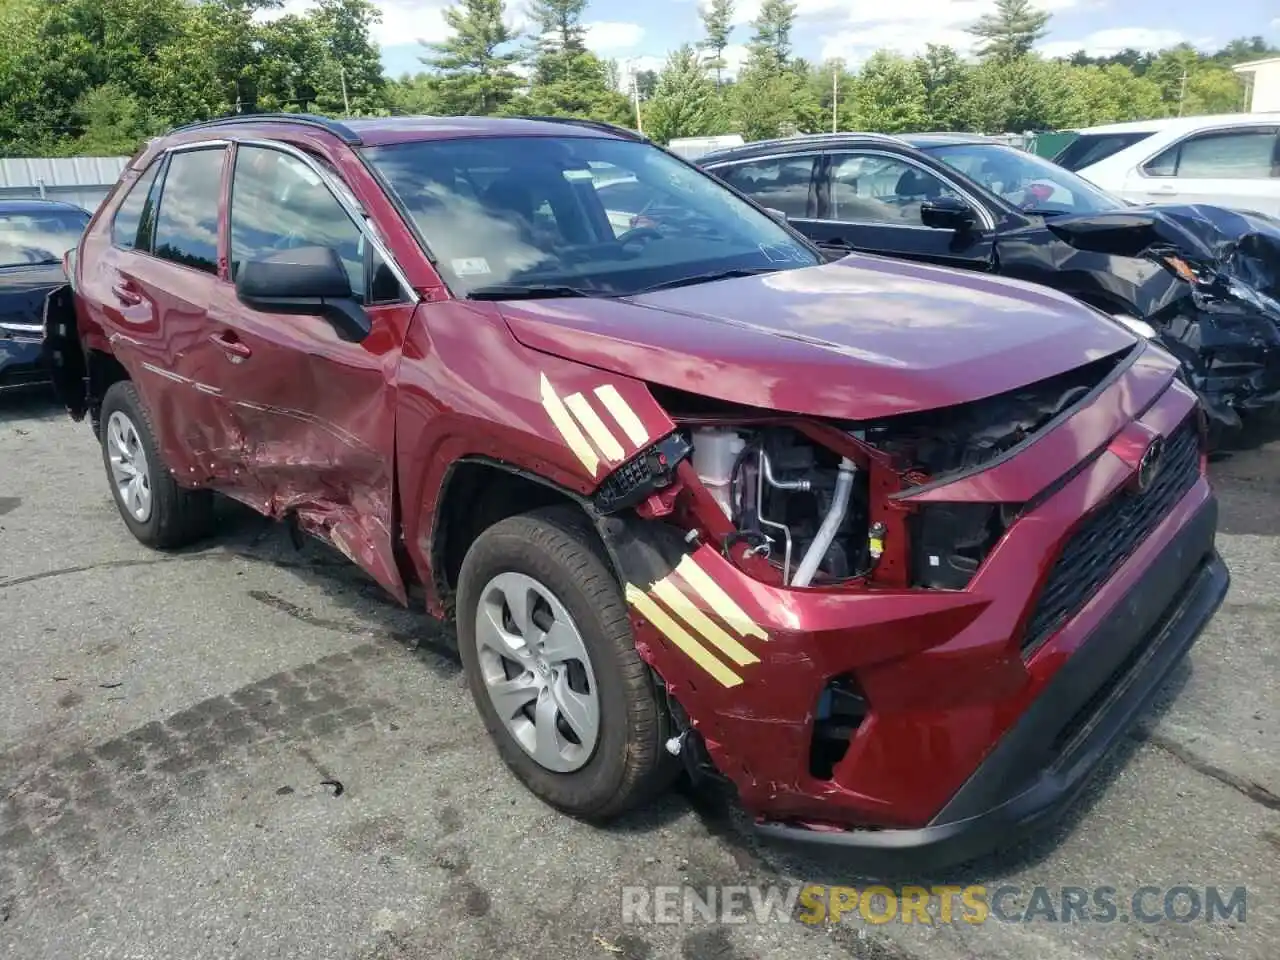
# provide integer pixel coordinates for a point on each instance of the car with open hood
(1203, 281)
(896, 551)
(35, 235)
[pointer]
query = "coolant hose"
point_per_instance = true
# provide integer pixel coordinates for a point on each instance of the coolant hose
(830, 524)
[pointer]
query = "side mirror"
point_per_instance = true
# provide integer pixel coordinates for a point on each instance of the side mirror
(946, 213)
(776, 214)
(308, 280)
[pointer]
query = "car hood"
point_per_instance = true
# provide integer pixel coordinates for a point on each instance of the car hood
(23, 290)
(862, 338)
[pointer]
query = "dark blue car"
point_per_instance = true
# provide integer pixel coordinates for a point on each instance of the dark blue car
(34, 237)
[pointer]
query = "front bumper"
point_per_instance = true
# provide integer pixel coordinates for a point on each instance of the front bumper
(1041, 764)
(21, 358)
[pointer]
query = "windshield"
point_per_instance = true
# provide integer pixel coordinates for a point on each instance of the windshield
(556, 216)
(39, 237)
(1030, 183)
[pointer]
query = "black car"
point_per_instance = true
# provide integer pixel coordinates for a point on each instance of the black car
(34, 237)
(1203, 280)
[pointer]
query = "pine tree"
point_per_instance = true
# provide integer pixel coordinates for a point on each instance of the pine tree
(771, 41)
(559, 24)
(684, 101)
(1011, 31)
(717, 20)
(475, 70)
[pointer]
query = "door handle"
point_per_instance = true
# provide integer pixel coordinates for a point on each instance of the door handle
(230, 344)
(127, 292)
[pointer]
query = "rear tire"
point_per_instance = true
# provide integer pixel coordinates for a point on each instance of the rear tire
(550, 563)
(156, 510)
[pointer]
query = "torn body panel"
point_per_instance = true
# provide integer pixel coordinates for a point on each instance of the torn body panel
(1211, 290)
(941, 674)
(468, 390)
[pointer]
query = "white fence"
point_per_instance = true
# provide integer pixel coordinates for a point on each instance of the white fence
(84, 181)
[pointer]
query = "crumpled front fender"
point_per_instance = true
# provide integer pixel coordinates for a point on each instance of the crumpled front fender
(1219, 312)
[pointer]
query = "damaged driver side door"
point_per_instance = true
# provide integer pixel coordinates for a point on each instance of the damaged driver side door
(314, 400)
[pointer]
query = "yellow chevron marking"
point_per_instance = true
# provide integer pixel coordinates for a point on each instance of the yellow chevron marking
(683, 607)
(605, 441)
(680, 637)
(725, 607)
(567, 427)
(621, 411)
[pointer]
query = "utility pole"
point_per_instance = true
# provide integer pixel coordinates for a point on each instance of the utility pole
(346, 104)
(835, 99)
(635, 93)
(1182, 92)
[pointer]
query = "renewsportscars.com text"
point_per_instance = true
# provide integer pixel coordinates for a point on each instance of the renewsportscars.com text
(941, 904)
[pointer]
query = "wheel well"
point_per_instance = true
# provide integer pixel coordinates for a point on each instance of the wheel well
(103, 370)
(477, 495)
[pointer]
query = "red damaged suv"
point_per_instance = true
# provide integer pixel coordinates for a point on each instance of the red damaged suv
(899, 552)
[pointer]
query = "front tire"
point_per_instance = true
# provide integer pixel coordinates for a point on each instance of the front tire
(547, 648)
(154, 508)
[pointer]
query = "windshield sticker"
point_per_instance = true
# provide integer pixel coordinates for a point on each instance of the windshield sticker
(471, 267)
(572, 174)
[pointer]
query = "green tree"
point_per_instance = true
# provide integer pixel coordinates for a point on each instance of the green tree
(889, 95)
(351, 80)
(415, 95)
(717, 22)
(684, 102)
(475, 62)
(948, 88)
(559, 25)
(1011, 31)
(113, 120)
(770, 45)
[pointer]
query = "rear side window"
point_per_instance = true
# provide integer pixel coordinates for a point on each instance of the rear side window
(1090, 148)
(186, 224)
(1224, 155)
(782, 183)
(124, 228)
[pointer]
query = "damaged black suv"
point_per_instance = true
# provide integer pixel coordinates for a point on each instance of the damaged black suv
(1203, 281)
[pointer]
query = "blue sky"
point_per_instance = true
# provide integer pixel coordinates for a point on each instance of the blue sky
(641, 31)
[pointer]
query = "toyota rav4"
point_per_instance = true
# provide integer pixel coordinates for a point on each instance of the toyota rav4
(896, 551)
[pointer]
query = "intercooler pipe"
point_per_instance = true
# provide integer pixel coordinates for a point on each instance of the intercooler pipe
(830, 524)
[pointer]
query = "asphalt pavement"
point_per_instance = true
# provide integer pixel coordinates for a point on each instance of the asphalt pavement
(249, 751)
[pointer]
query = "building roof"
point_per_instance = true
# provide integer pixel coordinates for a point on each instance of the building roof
(1253, 65)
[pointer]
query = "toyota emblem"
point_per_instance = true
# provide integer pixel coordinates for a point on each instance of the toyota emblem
(1149, 466)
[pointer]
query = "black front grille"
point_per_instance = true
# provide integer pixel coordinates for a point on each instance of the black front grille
(1110, 534)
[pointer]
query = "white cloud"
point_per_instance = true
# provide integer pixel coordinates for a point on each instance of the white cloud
(403, 21)
(855, 31)
(1105, 43)
(613, 35)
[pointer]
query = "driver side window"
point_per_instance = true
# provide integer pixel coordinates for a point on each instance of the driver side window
(279, 203)
(873, 188)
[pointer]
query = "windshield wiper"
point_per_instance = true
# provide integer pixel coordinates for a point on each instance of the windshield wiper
(705, 278)
(530, 291)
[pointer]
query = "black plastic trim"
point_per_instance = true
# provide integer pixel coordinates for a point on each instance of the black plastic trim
(1020, 788)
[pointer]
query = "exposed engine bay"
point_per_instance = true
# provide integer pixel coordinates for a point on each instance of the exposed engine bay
(806, 508)
(792, 501)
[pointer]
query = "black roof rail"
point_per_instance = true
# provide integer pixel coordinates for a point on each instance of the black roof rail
(600, 125)
(337, 128)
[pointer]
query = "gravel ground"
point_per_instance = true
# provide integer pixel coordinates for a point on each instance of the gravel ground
(168, 724)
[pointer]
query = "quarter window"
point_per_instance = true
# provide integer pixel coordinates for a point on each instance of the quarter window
(280, 203)
(124, 227)
(872, 188)
(1226, 155)
(186, 225)
(781, 183)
